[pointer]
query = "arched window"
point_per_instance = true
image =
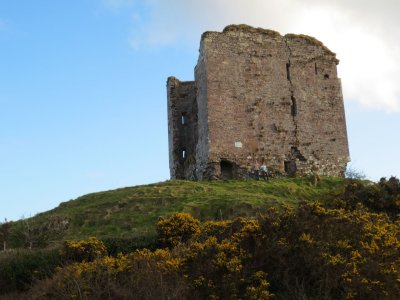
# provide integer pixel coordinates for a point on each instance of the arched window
(183, 154)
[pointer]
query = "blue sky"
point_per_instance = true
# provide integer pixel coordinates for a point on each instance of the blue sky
(82, 86)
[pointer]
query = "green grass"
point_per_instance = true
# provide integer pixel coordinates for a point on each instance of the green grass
(133, 211)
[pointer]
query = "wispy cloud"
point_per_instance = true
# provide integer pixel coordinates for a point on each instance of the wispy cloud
(362, 32)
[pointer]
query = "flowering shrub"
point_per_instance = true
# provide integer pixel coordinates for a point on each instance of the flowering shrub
(141, 274)
(341, 254)
(85, 250)
(177, 229)
(310, 252)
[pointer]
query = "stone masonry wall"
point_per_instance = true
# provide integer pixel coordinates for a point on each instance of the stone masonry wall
(320, 120)
(260, 96)
(182, 128)
(204, 169)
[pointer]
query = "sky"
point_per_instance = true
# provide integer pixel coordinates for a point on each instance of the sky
(83, 97)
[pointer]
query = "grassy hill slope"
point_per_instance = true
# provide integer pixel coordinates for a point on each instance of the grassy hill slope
(133, 211)
(354, 248)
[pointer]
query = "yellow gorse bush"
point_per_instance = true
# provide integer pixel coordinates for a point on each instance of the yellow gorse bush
(308, 252)
(85, 250)
(178, 228)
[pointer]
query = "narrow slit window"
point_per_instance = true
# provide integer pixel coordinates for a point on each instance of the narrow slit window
(288, 71)
(316, 69)
(183, 118)
(183, 154)
(294, 106)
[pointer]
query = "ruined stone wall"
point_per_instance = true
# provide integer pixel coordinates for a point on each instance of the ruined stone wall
(182, 128)
(320, 121)
(260, 97)
(248, 97)
(204, 169)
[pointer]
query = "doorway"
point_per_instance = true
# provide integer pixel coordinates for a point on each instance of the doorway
(226, 170)
(290, 167)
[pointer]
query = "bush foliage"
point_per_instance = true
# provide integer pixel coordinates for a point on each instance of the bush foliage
(20, 268)
(310, 252)
(83, 251)
(178, 228)
(383, 196)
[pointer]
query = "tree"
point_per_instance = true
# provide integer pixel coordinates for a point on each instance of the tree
(5, 229)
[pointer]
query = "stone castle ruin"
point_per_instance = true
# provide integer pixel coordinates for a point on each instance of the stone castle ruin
(257, 96)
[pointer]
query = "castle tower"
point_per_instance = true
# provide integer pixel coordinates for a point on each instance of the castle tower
(257, 96)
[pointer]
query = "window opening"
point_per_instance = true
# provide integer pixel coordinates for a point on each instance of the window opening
(297, 154)
(326, 76)
(316, 69)
(288, 71)
(183, 154)
(294, 106)
(183, 118)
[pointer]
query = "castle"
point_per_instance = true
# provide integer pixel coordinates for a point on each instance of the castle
(257, 96)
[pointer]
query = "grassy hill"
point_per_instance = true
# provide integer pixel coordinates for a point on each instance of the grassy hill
(272, 253)
(132, 212)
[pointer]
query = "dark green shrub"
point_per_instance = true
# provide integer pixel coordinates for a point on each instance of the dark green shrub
(37, 233)
(20, 268)
(383, 196)
(5, 231)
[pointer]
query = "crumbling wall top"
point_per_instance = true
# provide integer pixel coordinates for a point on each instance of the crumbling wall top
(310, 40)
(242, 28)
(247, 28)
(273, 34)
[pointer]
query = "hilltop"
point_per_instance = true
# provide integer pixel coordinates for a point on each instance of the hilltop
(132, 212)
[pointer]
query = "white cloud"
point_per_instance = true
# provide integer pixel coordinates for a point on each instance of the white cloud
(367, 58)
(364, 34)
